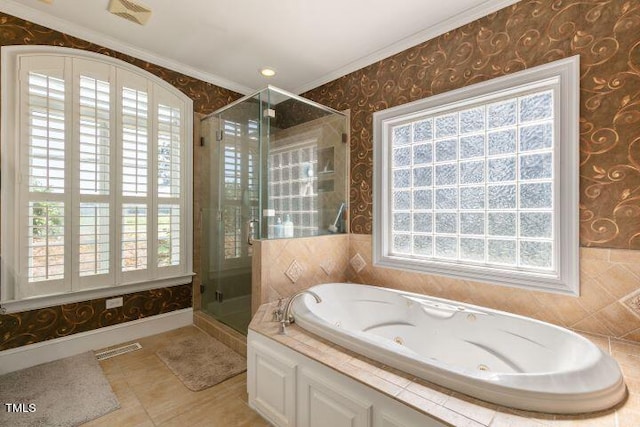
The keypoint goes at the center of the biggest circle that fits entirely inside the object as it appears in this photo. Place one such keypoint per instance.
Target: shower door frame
(217, 255)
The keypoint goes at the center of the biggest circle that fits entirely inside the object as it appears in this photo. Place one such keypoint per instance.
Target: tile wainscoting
(609, 301)
(608, 305)
(283, 267)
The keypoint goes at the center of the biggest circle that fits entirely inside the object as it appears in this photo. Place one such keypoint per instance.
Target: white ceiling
(226, 42)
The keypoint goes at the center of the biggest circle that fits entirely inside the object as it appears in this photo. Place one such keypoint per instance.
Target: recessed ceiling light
(268, 72)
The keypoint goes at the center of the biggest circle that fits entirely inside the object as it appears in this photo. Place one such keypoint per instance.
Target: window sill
(16, 306)
(555, 282)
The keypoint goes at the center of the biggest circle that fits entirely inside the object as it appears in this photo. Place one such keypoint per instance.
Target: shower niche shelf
(326, 162)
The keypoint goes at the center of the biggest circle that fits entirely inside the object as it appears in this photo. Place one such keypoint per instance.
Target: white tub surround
(495, 356)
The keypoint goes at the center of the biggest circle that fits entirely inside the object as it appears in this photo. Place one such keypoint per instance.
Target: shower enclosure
(276, 167)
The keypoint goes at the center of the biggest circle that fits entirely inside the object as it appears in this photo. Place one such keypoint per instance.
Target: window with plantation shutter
(169, 157)
(96, 173)
(45, 163)
(93, 203)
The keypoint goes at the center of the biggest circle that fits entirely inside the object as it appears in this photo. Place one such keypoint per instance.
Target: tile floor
(150, 395)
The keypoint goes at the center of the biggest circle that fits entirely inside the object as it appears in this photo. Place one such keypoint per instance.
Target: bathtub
(495, 356)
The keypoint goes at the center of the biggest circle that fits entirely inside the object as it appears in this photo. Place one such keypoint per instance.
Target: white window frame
(560, 76)
(116, 282)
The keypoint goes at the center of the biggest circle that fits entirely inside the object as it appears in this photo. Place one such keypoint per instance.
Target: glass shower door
(238, 220)
(274, 166)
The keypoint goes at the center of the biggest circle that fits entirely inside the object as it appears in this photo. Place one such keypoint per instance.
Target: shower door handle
(251, 229)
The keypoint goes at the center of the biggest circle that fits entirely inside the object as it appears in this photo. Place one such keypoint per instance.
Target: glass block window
(473, 183)
(476, 184)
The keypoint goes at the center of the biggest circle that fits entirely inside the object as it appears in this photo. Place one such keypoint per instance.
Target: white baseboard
(47, 351)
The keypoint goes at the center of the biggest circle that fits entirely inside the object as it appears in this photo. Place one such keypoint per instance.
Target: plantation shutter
(135, 194)
(97, 182)
(44, 176)
(93, 133)
(170, 152)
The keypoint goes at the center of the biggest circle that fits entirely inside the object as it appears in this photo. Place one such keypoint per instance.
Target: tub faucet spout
(287, 317)
(277, 313)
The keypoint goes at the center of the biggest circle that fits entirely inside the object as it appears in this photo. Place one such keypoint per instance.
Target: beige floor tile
(215, 412)
(165, 398)
(129, 417)
(110, 367)
(150, 394)
(142, 359)
(133, 358)
(124, 393)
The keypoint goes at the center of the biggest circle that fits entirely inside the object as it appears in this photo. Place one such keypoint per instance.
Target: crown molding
(42, 18)
(427, 34)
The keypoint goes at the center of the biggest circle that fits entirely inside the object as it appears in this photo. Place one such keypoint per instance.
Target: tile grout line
(133, 391)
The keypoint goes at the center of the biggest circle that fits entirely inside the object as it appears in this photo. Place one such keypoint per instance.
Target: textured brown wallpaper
(47, 323)
(606, 35)
(41, 325)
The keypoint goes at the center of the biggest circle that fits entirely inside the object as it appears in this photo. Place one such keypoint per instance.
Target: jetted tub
(495, 356)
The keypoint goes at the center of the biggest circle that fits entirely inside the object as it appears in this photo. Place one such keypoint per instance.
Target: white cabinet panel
(395, 415)
(292, 390)
(386, 420)
(322, 403)
(271, 387)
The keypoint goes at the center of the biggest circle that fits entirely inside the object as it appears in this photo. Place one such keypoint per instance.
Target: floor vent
(118, 351)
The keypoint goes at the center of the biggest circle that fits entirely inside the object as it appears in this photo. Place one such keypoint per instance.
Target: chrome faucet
(286, 318)
(277, 313)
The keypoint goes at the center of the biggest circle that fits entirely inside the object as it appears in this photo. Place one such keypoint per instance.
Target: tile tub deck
(446, 405)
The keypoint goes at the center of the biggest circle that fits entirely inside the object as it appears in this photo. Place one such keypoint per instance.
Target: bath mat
(65, 392)
(201, 362)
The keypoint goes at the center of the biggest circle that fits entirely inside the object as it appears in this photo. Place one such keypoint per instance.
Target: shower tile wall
(610, 287)
(319, 259)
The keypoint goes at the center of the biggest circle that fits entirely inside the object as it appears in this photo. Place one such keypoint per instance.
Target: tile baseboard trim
(35, 354)
(223, 333)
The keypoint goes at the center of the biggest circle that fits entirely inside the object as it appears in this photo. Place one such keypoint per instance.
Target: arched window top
(11, 55)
